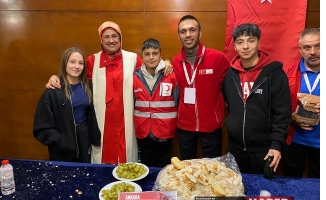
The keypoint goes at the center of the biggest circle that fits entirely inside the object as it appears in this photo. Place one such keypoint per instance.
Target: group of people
(132, 103)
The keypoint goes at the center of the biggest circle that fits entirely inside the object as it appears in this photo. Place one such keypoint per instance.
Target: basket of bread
(201, 177)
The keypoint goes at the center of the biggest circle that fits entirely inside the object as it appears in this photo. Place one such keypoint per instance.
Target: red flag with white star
(280, 22)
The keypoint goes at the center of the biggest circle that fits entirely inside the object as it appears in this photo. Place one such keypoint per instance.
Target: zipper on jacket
(244, 115)
(140, 75)
(243, 126)
(253, 89)
(192, 70)
(194, 85)
(72, 111)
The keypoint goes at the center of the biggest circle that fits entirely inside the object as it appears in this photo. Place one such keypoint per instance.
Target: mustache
(312, 57)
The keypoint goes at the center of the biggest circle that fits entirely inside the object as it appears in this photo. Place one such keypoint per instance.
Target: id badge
(190, 95)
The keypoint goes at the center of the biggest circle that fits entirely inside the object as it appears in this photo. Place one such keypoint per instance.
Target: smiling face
(75, 67)
(110, 40)
(151, 58)
(189, 34)
(310, 50)
(247, 47)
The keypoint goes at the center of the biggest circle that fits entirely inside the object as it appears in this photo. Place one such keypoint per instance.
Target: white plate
(108, 186)
(114, 173)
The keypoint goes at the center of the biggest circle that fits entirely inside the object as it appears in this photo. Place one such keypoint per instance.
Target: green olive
(130, 170)
(113, 192)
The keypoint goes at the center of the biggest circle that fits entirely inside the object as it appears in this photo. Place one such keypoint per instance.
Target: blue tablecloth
(47, 180)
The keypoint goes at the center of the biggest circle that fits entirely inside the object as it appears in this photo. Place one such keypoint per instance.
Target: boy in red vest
(155, 115)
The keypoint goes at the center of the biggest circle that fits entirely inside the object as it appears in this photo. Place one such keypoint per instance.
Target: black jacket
(261, 123)
(54, 124)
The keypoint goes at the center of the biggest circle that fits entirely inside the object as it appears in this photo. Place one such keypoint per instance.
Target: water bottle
(268, 171)
(7, 178)
(139, 159)
(265, 193)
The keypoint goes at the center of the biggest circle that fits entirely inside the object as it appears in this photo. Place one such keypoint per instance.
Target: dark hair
(189, 17)
(82, 77)
(247, 30)
(151, 43)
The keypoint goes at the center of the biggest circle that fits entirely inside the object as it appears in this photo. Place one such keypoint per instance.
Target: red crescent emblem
(168, 88)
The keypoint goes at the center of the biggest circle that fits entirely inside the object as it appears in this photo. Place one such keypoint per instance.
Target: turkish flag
(280, 22)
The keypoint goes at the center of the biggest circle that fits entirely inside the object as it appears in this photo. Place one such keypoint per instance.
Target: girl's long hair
(82, 77)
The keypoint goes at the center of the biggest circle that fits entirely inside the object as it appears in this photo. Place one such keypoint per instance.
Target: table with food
(39, 179)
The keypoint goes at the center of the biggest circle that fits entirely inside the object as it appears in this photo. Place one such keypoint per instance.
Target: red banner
(280, 22)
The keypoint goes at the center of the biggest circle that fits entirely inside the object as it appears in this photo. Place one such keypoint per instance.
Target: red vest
(156, 113)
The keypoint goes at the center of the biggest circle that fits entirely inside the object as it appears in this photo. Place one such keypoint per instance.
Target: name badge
(190, 95)
(206, 71)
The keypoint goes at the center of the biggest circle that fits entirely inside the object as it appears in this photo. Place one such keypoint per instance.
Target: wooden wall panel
(17, 113)
(186, 5)
(33, 42)
(313, 5)
(164, 27)
(313, 20)
(80, 5)
(313, 14)
(34, 34)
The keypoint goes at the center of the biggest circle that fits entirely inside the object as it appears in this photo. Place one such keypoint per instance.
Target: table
(45, 180)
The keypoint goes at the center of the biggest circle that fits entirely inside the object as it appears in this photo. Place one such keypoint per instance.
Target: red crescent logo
(168, 88)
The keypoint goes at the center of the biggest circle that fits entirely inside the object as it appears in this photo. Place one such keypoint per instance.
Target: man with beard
(200, 72)
(304, 139)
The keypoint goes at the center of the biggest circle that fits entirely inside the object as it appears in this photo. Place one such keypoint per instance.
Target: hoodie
(247, 78)
(150, 80)
(259, 104)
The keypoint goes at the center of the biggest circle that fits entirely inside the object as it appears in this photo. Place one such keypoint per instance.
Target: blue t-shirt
(304, 137)
(79, 101)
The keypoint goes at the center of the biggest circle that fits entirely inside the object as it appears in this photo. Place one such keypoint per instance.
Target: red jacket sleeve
(139, 63)
(90, 66)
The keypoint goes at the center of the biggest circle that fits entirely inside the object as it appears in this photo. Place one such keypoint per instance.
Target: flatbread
(200, 177)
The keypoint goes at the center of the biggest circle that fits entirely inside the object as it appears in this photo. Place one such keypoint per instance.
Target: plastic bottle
(139, 159)
(268, 171)
(265, 193)
(7, 178)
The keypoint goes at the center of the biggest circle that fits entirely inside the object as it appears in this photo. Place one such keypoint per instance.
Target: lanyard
(308, 83)
(192, 67)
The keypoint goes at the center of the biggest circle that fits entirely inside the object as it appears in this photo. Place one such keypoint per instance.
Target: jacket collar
(105, 61)
(199, 53)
